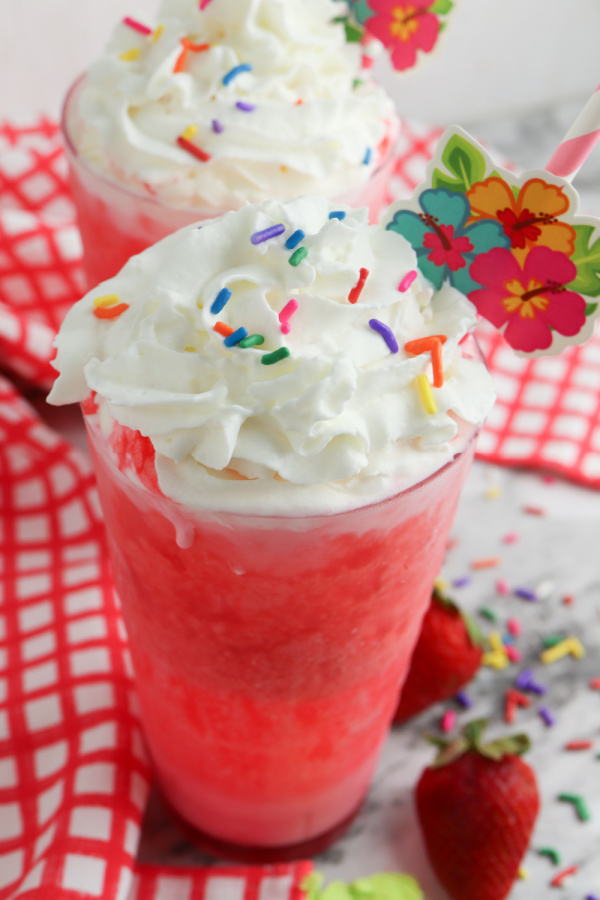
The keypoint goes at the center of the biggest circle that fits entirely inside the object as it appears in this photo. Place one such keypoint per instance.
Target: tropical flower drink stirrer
(513, 244)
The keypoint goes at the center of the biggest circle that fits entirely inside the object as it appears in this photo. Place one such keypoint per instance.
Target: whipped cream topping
(334, 423)
(298, 115)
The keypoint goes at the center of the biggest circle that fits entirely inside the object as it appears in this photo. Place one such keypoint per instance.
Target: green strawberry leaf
(463, 161)
(441, 7)
(473, 731)
(361, 11)
(312, 884)
(587, 259)
(515, 745)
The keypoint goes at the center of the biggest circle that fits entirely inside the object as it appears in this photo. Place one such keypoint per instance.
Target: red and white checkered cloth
(73, 771)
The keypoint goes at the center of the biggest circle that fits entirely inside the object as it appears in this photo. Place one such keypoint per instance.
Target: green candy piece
(251, 341)
(297, 256)
(269, 358)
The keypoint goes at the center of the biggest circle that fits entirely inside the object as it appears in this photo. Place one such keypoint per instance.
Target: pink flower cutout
(531, 300)
(447, 250)
(404, 26)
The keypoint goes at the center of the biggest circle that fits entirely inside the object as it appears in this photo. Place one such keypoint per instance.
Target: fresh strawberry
(477, 806)
(447, 656)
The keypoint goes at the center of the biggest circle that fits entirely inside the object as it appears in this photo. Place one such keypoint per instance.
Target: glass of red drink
(268, 650)
(116, 222)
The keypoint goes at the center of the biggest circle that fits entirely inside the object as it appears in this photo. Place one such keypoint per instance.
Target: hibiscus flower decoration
(529, 219)
(443, 241)
(531, 300)
(403, 27)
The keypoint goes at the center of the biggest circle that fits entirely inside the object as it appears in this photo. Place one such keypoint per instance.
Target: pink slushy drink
(278, 491)
(205, 110)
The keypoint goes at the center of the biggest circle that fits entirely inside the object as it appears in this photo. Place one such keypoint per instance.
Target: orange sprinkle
(436, 362)
(489, 562)
(422, 345)
(568, 600)
(187, 46)
(110, 312)
(579, 745)
(222, 328)
(357, 289)
(198, 152)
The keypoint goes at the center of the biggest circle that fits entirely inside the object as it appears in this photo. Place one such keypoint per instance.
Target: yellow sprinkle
(157, 33)
(495, 660)
(523, 873)
(576, 647)
(493, 492)
(496, 642)
(190, 349)
(189, 132)
(130, 55)
(558, 651)
(442, 585)
(106, 300)
(426, 394)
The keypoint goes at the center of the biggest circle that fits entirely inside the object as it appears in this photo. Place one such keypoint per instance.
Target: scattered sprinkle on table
(579, 745)
(268, 359)
(297, 256)
(534, 510)
(220, 300)
(579, 804)
(546, 716)
(448, 720)
(462, 582)
(494, 492)
(503, 587)
(525, 680)
(487, 562)
(511, 538)
(551, 853)
(525, 594)
(514, 626)
(357, 291)
(523, 873)
(267, 233)
(488, 614)
(595, 684)
(237, 70)
(566, 873)
(570, 645)
(463, 698)
(544, 589)
(294, 239)
(568, 600)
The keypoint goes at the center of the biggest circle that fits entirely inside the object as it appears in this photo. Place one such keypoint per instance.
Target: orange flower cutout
(529, 219)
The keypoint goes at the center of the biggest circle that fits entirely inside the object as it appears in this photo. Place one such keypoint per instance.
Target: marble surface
(558, 551)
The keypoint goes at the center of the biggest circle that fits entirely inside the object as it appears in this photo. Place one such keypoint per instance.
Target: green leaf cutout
(590, 308)
(354, 32)
(361, 11)
(441, 7)
(587, 259)
(464, 161)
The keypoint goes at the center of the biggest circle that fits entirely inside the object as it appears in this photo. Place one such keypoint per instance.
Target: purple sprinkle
(463, 698)
(525, 594)
(245, 107)
(259, 236)
(217, 127)
(547, 716)
(591, 897)
(386, 333)
(526, 682)
(462, 582)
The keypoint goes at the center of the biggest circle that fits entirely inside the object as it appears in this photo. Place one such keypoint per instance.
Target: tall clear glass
(116, 223)
(269, 650)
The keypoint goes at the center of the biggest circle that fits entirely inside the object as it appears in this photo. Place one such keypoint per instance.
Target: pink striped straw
(579, 140)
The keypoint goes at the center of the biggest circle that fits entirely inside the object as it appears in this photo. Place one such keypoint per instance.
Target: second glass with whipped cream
(278, 467)
(208, 109)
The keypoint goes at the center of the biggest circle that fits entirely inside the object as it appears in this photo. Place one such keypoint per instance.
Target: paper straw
(578, 142)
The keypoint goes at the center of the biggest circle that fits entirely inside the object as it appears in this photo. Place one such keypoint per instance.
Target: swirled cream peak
(269, 94)
(314, 408)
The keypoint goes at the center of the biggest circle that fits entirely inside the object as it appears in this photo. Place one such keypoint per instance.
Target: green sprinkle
(551, 853)
(251, 341)
(551, 640)
(580, 805)
(488, 614)
(297, 256)
(269, 358)
(357, 82)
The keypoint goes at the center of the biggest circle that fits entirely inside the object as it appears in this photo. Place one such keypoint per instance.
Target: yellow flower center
(404, 22)
(525, 301)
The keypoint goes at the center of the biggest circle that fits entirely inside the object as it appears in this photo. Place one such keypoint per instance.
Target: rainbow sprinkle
(387, 334)
(294, 239)
(267, 233)
(235, 337)
(269, 358)
(203, 4)
(546, 716)
(245, 107)
(137, 26)
(407, 281)
(288, 310)
(106, 300)
(216, 126)
(110, 312)
(337, 214)
(566, 873)
(426, 394)
(357, 291)
(131, 55)
(297, 256)
(251, 341)
(237, 70)
(220, 300)
(580, 805)
(222, 328)
(551, 853)
(448, 720)
(367, 156)
(198, 152)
